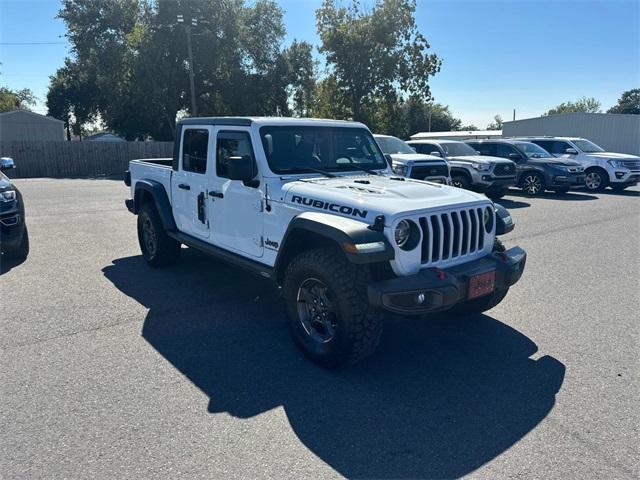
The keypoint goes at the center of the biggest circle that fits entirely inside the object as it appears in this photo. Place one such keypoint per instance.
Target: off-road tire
(358, 325)
(591, 176)
(166, 250)
(479, 305)
(22, 251)
(460, 181)
(497, 194)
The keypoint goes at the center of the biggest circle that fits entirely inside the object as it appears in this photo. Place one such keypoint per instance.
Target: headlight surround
(481, 167)
(400, 169)
(406, 235)
(8, 196)
(616, 163)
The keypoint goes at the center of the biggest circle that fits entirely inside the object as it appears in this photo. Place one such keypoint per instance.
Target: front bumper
(11, 229)
(567, 180)
(443, 289)
(489, 182)
(626, 177)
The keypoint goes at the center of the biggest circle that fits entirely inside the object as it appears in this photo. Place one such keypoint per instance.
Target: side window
(546, 144)
(503, 150)
(232, 144)
(195, 143)
(488, 149)
(560, 148)
(430, 147)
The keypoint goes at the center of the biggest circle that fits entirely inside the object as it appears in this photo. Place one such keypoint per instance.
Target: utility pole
(430, 113)
(187, 29)
(514, 114)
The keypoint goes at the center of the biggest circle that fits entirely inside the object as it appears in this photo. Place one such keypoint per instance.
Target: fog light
(620, 174)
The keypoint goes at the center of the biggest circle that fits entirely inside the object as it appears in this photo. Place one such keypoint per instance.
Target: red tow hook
(504, 256)
(440, 274)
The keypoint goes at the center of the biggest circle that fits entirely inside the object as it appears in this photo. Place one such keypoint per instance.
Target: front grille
(631, 164)
(447, 236)
(504, 169)
(576, 169)
(423, 171)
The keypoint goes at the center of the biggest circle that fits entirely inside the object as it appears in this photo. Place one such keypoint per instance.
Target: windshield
(393, 145)
(295, 149)
(457, 149)
(586, 146)
(532, 150)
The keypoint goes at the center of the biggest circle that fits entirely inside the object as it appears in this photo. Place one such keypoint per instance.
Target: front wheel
(158, 248)
(330, 318)
(460, 181)
(533, 184)
(480, 305)
(596, 180)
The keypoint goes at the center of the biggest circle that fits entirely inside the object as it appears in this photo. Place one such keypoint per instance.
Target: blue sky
(498, 55)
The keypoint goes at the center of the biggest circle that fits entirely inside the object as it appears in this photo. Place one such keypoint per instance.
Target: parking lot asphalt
(109, 369)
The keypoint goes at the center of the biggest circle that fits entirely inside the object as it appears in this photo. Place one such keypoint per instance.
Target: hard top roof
(261, 121)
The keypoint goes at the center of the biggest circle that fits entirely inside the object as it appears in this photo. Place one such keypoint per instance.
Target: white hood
(380, 196)
(613, 156)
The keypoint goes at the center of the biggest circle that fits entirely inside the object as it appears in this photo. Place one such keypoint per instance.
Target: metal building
(613, 132)
(23, 125)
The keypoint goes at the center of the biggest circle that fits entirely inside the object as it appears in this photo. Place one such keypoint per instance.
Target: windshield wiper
(311, 169)
(366, 170)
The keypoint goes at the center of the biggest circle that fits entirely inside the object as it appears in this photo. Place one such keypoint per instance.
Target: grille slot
(504, 169)
(423, 171)
(447, 236)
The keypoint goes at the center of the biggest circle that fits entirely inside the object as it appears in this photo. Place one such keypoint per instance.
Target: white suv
(602, 169)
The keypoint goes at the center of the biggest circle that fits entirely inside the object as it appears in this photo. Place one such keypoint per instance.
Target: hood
(415, 157)
(364, 197)
(4, 182)
(479, 159)
(613, 156)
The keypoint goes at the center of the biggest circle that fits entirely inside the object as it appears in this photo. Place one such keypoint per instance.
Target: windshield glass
(295, 149)
(393, 145)
(532, 150)
(457, 149)
(586, 146)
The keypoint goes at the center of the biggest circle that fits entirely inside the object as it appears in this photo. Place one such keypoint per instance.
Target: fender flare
(504, 222)
(336, 229)
(160, 198)
(461, 171)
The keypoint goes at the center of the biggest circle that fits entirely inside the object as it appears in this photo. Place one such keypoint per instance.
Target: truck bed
(156, 169)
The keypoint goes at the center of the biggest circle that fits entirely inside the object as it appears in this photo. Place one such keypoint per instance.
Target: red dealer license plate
(482, 284)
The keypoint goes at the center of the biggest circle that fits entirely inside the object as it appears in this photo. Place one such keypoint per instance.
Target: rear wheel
(158, 248)
(596, 180)
(533, 184)
(329, 314)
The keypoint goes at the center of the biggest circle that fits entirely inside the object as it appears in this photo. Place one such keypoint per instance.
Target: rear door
(189, 183)
(236, 206)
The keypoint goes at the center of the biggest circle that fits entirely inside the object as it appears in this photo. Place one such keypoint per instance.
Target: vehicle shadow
(569, 196)
(440, 397)
(6, 264)
(623, 193)
(511, 204)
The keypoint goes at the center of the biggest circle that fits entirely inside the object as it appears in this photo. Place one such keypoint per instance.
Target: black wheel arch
(312, 230)
(459, 171)
(153, 191)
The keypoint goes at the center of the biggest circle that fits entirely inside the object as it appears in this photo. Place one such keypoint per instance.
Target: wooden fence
(78, 159)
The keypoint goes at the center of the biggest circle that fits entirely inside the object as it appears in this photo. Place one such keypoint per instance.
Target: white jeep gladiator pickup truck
(313, 205)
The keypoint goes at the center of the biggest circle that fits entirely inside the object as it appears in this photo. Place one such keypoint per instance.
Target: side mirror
(6, 163)
(515, 156)
(387, 157)
(571, 151)
(241, 168)
(414, 149)
(436, 154)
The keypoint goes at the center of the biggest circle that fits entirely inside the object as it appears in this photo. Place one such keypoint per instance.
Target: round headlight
(488, 219)
(402, 232)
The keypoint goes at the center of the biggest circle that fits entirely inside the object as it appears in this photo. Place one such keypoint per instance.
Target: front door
(237, 207)
(189, 183)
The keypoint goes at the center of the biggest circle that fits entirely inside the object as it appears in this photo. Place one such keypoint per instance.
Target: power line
(33, 43)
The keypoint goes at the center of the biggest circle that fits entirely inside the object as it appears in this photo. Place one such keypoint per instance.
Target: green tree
(376, 54)
(469, 128)
(629, 102)
(496, 124)
(583, 105)
(16, 99)
(421, 116)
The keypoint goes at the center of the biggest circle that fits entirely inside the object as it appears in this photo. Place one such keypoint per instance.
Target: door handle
(184, 186)
(213, 193)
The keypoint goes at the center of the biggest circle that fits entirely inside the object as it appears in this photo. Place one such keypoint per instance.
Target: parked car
(407, 163)
(537, 169)
(14, 238)
(602, 169)
(489, 175)
(314, 206)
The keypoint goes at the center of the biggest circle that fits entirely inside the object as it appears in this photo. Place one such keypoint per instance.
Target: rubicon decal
(332, 207)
